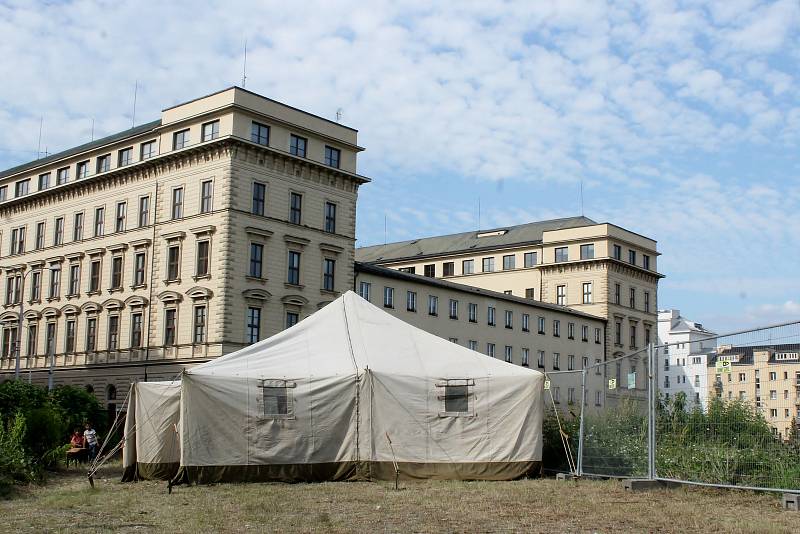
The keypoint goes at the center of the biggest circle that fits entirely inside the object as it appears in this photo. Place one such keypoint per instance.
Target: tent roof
(350, 335)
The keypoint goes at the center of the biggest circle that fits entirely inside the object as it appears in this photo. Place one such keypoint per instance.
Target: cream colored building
(175, 241)
(767, 377)
(525, 332)
(600, 269)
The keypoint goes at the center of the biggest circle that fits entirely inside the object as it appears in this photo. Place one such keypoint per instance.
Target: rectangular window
(201, 268)
(94, 276)
(456, 397)
(144, 211)
(103, 163)
(138, 269)
(77, 227)
(33, 337)
(328, 274)
(556, 328)
(124, 157)
(297, 146)
(632, 257)
(540, 363)
(508, 353)
(570, 330)
(113, 332)
(618, 333)
(177, 203)
(74, 279)
(541, 325)
(116, 272)
(17, 241)
(136, 330)
(388, 297)
(210, 131)
(180, 139)
(55, 282)
(448, 268)
(472, 344)
(617, 252)
(453, 309)
(82, 169)
(91, 334)
(617, 291)
(58, 231)
(556, 362)
(584, 333)
(633, 336)
(647, 302)
(330, 217)
(50, 338)
(44, 181)
(36, 286)
(206, 196)
(430, 270)
(409, 270)
(490, 350)
(526, 322)
(62, 176)
(473, 312)
(291, 319)
(364, 290)
(4, 192)
(12, 289)
(467, 266)
(571, 362)
(199, 330)
(508, 262)
(530, 293)
(562, 254)
(169, 326)
(633, 297)
(22, 188)
(490, 316)
(332, 156)
(587, 292)
(173, 262)
(509, 319)
(253, 324)
(39, 235)
(587, 252)
(525, 357)
(646, 261)
(259, 198)
(119, 218)
(259, 133)
(530, 259)
(488, 265)
(293, 274)
(561, 295)
(147, 150)
(295, 208)
(99, 221)
(411, 301)
(433, 305)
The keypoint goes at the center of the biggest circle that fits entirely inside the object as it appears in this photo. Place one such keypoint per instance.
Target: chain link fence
(719, 410)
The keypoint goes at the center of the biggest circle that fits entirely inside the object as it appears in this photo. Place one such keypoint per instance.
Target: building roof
(446, 284)
(746, 353)
(684, 325)
(131, 132)
(529, 233)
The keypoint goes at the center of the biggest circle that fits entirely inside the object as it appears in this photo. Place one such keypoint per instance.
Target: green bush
(16, 466)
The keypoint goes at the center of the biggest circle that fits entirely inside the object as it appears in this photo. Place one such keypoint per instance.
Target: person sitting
(77, 451)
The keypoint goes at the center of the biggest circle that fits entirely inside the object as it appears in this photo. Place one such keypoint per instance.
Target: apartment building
(530, 333)
(133, 256)
(767, 376)
(685, 349)
(596, 268)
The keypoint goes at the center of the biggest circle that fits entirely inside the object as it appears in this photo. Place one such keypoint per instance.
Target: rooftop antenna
(581, 197)
(244, 67)
(135, 92)
(39, 146)
(479, 214)
(339, 114)
(385, 232)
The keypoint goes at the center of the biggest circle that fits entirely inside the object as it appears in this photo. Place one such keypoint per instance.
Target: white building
(683, 362)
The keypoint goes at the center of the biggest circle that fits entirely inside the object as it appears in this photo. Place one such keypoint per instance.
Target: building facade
(546, 337)
(600, 269)
(685, 349)
(767, 376)
(174, 242)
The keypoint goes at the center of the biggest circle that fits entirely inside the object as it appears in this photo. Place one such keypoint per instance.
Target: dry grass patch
(68, 504)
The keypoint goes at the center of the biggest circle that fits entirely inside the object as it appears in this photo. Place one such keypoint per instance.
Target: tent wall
(152, 448)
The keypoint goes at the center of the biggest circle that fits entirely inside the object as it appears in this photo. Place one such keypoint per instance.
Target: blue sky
(682, 119)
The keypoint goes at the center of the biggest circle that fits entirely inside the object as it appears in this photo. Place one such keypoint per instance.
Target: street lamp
(18, 344)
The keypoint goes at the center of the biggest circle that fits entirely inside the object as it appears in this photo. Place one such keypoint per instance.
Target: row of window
(632, 294)
(633, 332)
(365, 291)
(298, 146)
(256, 267)
(295, 207)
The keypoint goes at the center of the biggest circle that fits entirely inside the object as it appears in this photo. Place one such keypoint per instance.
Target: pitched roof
(131, 132)
(529, 233)
(746, 353)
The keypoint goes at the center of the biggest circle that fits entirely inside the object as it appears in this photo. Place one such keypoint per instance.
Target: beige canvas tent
(151, 450)
(349, 393)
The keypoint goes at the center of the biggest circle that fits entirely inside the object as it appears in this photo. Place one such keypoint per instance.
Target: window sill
(541, 332)
(170, 282)
(454, 318)
(112, 290)
(411, 310)
(525, 330)
(35, 301)
(53, 299)
(255, 279)
(73, 296)
(509, 327)
(433, 314)
(287, 285)
(199, 277)
(139, 286)
(329, 292)
(390, 307)
(93, 292)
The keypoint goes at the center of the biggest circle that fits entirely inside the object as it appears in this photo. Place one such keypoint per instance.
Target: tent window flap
(456, 396)
(276, 399)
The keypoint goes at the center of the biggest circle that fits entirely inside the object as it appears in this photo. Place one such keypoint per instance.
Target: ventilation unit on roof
(492, 233)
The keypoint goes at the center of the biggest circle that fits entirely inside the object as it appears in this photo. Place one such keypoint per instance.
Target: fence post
(651, 413)
(580, 431)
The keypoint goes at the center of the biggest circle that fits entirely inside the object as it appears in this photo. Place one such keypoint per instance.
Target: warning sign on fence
(723, 366)
(631, 380)
(612, 383)
(546, 384)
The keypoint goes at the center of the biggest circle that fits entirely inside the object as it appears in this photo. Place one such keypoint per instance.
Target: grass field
(68, 504)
